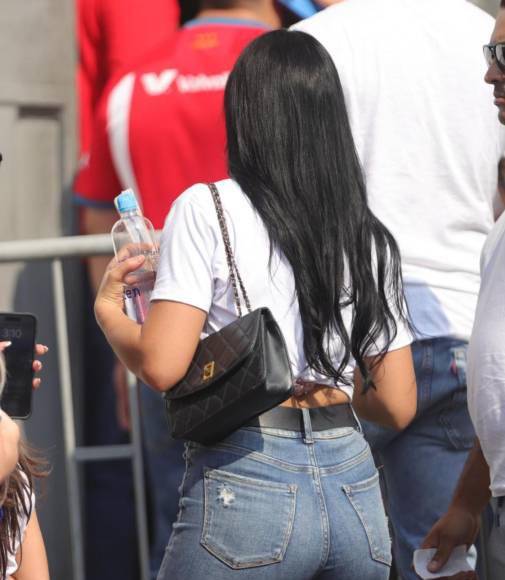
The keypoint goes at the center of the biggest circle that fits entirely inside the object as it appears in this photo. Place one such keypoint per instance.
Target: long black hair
(291, 150)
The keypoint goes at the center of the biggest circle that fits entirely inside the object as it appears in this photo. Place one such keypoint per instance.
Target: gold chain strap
(230, 259)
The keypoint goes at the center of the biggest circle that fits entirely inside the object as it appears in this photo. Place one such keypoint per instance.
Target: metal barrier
(54, 250)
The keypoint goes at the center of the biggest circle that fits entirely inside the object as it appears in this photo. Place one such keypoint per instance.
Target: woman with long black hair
(294, 494)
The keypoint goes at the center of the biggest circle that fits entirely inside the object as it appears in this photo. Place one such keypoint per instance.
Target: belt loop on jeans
(359, 428)
(307, 427)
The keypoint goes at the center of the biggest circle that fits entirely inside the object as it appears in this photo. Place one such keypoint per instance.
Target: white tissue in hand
(457, 563)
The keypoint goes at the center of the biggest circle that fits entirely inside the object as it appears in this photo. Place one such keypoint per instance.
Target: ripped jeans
(422, 464)
(269, 504)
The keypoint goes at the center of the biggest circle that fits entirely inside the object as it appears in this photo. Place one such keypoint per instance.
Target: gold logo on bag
(208, 371)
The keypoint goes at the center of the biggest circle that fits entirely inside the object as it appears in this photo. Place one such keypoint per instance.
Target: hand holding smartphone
(20, 330)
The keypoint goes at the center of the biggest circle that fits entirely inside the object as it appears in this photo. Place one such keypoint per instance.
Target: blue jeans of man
(496, 545)
(165, 468)
(268, 504)
(110, 533)
(422, 464)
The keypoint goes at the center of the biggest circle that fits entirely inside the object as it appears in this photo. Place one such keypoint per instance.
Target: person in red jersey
(112, 35)
(160, 128)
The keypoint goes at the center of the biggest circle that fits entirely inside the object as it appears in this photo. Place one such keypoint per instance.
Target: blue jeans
(276, 504)
(496, 546)
(422, 464)
(165, 468)
(110, 536)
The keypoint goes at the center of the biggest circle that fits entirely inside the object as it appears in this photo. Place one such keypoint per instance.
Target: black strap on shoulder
(230, 258)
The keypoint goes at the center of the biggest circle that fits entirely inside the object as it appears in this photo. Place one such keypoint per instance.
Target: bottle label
(131, 292)
(137, 300)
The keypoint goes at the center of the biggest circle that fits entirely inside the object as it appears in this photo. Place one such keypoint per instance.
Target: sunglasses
(495, 52)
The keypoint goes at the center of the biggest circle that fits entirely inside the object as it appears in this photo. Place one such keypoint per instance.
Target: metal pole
(67, 403)
(138, 476)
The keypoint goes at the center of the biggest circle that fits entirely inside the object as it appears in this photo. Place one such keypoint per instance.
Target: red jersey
(112, 35)
(160, 128)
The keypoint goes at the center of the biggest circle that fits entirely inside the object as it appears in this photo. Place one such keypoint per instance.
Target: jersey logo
(157, 84)
(205, 41)
(202, 83)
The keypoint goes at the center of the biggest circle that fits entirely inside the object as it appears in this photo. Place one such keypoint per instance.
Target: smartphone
(20, 329)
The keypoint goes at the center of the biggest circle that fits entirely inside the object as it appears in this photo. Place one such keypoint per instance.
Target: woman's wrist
(108, 313)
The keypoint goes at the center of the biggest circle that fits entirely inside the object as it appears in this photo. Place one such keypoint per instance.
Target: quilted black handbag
(236, 374)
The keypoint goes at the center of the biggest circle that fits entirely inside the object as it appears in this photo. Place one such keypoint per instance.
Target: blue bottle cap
(302, 8)
(126, 201)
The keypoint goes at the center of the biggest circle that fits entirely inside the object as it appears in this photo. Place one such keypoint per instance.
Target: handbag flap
(219, 354)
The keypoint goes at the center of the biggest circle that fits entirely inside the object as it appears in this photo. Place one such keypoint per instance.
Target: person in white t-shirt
(484, 473)
(428, 140)
(294, 492)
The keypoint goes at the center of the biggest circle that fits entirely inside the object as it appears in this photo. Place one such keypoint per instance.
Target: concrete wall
(37, 120)
(37, 139)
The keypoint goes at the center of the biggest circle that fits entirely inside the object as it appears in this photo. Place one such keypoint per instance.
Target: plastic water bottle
(132, 235)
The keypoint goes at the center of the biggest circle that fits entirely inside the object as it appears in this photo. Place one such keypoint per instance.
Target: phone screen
(17, 395)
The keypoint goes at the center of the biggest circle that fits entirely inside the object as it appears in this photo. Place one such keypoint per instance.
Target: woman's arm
(160, 351)
(394, 401)
(31, 555)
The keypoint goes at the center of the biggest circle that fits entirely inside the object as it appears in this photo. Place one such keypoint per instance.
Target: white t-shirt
(427, 133)
(193, 270)
(486, 359)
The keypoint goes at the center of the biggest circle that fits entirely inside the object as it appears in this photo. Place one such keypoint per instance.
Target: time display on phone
(11, 333)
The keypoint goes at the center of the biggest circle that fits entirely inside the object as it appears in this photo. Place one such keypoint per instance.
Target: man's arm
(472, 492)
(97, 221)
(100, 221)
(460, 524)
(95, 187)
(96, 184)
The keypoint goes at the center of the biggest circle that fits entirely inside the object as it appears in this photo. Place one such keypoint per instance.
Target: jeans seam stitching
(348, 490)
(349, 464)
(254, 455)
(325, 524)
(219, 475)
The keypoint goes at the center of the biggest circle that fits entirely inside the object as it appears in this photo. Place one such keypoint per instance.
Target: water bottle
(132, 235)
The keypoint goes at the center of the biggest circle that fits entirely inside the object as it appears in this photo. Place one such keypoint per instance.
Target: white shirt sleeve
(187, 248)
(403, 338)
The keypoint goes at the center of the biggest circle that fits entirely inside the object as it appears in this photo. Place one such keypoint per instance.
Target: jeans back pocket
(454, 416)
(366, 499)
(247, 522)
